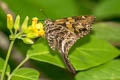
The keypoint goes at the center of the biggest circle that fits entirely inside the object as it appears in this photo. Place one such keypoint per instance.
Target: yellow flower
(41, 33)
(37, 27)
(34, 21)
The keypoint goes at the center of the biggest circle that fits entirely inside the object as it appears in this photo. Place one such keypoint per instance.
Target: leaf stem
(6, 60)
(26, 58)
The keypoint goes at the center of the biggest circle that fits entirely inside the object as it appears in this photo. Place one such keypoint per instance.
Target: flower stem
(6, 60)
(26, 58)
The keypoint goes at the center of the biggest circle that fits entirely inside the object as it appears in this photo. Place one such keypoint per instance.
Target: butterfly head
(48, 21)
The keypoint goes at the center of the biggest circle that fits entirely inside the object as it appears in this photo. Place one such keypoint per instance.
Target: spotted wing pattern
(63, 33)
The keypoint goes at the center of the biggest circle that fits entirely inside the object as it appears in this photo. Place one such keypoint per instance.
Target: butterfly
(63, 33)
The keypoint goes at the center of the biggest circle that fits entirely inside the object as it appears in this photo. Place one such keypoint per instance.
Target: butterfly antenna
(43, 13)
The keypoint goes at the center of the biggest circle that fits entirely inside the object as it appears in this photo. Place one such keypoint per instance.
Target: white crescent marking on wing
(63, 44)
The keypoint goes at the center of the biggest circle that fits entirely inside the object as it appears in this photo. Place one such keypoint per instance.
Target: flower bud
(25, 23)
(17, 23)
(31, 35)
(9, 21)
(28, 41)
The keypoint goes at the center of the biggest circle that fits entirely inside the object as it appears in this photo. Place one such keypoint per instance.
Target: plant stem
(11, 31)
(26, 58)
(6, 60)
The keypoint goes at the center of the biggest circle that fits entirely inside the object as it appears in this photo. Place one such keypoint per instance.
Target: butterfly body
(63, 33)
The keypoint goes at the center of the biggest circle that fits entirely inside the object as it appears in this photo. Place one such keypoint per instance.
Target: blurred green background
(106, 27)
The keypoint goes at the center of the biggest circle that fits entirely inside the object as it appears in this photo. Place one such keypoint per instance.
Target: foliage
(1, 67)
(25, 74)
(108, 71)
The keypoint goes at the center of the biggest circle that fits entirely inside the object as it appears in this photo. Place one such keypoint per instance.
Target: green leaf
(107, 31)
(87, 52)
(107, 9)
(108, 71)
(90, 51)
(1, 67)
(25, 74)
(40, 51)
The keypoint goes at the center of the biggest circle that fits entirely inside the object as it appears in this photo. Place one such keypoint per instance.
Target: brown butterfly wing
(63, 33)
(66, 31)
(60, 37)
(80, 25)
